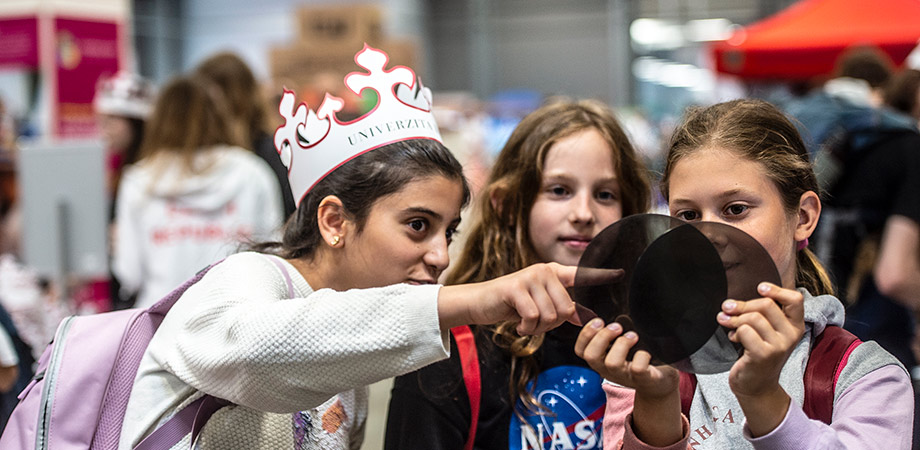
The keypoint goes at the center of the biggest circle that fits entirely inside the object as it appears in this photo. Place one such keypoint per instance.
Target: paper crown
(124, 94)
(314, 143)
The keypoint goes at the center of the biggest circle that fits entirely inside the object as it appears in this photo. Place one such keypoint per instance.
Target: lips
(579, 242)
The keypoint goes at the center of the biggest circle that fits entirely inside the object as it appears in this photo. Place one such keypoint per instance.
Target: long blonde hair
(758, 131)
(189, 116)
(498, 242)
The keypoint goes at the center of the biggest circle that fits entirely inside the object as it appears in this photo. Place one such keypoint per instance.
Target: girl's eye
(736, 209)
(687, 215)
(558, 191)
(418, 225)
(606, 196)
(451, 232)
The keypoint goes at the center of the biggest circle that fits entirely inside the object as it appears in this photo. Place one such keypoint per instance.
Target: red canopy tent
(804, 40)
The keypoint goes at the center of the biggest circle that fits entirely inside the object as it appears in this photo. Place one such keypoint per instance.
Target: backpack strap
(469, 364)
(193, 417)
(284, 271)
(827, 358)
(115, 401)
(687, 387)
(829, 354)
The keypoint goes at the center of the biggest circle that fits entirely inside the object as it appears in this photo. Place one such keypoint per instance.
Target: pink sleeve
(875, 412)
(619, 406)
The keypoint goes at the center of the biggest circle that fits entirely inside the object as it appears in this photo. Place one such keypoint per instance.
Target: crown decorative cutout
(314, 143)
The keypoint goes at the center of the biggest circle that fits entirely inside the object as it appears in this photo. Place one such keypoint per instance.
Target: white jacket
(295, 369)
(169, 223)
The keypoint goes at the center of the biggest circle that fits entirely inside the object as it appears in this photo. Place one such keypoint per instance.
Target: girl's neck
(316, 274)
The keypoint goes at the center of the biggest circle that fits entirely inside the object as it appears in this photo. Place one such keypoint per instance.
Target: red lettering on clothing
(703, 432)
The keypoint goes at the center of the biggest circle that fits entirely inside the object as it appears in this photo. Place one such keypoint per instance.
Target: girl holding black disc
(744, 164)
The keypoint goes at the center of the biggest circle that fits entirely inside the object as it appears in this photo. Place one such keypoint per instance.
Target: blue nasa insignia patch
(575, 403)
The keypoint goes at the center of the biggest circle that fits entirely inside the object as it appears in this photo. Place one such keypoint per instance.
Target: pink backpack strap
(829, 354)
(469, 363)
(190, 419)
(193, 417)
(287, 276)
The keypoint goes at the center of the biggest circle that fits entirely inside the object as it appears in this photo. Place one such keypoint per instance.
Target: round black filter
(616, 247)
(676, 276)
(677, 291)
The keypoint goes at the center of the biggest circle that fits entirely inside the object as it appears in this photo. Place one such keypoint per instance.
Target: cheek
(608, 215)
(541, 214)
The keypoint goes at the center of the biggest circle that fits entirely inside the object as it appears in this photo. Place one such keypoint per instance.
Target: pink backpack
(78, 397)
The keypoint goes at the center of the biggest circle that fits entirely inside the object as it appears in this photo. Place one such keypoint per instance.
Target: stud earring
(335, 241)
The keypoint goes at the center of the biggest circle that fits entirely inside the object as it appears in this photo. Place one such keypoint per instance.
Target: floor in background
(377, 414)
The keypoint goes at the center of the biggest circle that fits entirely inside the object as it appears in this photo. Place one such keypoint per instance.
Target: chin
(567, 259)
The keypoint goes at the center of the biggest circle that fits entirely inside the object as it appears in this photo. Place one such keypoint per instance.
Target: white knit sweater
(297, 368)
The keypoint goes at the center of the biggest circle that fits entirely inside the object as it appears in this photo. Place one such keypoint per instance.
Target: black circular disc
(676, 277)
(616, 247)
(677, 291)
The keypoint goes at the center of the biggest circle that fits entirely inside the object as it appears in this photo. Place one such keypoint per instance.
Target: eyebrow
(728, 193)
(567, 177)
(422, 210)
(428, 212)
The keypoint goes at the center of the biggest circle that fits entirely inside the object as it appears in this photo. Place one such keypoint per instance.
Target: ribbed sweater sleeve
(234, 335)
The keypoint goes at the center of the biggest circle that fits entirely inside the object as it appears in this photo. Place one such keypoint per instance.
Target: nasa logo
(575, 403)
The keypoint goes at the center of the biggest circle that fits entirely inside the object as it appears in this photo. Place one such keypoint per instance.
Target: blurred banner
(85, 50)
(56, 51)
(20, 43)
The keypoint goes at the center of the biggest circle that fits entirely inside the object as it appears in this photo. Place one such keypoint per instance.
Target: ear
(808, 213)
(332, 220)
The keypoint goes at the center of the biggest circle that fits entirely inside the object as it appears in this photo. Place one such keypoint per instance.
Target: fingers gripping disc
(677, 275)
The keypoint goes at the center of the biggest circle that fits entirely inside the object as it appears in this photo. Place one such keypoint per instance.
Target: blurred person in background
(903, 93)
(16, 362)
(193, 197)
(247, 109)
(867, 158)
(122, 104)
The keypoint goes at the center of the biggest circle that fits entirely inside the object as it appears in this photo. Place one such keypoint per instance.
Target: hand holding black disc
(676, 277)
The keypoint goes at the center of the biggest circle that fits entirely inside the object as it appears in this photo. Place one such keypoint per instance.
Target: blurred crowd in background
(858, 110)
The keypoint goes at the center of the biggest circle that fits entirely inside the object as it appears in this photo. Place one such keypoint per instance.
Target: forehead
(436, 193)
(586, 147)
(717, 169)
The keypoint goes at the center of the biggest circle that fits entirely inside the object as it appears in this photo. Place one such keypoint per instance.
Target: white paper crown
(313, 144)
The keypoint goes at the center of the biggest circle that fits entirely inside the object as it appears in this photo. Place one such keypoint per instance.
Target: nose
(715, 234)
(582, 211)
(436, 257)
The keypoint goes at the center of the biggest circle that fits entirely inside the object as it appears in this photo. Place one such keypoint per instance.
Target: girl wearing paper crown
(293, 334)
(743, 163)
